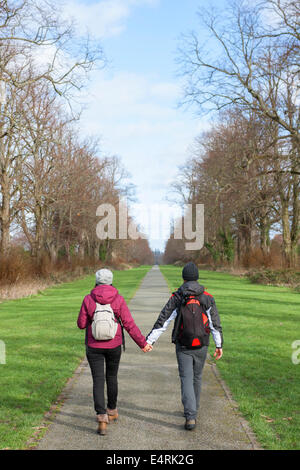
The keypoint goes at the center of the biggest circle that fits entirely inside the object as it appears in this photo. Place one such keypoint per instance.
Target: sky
(132, 104)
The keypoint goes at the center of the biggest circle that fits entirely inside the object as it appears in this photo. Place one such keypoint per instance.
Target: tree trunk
(246, 232)
(53, 253)
(96, 252)
(295, 228)
(286, 235)
(238, 247)
(39, 238)
(68, 251)
(81, 250)
(5, 219)
(264, 228)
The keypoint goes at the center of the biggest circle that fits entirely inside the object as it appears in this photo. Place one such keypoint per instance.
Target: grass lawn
(260, 323)
(43, 348)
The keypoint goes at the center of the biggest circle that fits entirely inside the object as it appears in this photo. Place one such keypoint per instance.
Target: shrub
(15, 266)
(18, 266)
(287, 277)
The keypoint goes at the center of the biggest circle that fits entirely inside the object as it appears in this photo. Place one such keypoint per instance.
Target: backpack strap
(118, 318)
(123, 336)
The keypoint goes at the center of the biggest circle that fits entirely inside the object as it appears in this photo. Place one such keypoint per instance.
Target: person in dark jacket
(107, 352)
(190, 360)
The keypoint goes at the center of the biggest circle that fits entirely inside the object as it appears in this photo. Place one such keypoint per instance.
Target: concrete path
(151, 414)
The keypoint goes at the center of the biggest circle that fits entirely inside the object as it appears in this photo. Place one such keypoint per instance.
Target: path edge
(50, 415)
(244, 423)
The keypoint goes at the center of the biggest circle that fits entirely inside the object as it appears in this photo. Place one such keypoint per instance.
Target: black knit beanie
(190, 272)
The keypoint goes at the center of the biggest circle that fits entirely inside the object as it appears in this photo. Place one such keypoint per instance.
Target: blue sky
(133, 103)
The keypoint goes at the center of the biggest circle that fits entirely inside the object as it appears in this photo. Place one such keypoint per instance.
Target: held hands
(218, 353)
(147, 348)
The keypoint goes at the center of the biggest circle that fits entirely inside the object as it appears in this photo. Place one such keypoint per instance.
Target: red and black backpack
(194, 329)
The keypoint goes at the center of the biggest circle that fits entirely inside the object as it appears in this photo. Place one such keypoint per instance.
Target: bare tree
(12, 156)
(38, 48)
(256, 70)
(45, 46)
(41, 134)
(248, 62)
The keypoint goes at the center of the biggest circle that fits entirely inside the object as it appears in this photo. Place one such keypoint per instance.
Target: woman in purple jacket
(108, 352)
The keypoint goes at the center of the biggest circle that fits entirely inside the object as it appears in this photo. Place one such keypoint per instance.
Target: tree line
(52, 179)
(246, 168)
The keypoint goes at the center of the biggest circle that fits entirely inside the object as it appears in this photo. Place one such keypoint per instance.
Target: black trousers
(104, 364)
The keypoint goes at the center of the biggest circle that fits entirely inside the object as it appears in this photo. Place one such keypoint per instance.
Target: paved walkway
(151, 414)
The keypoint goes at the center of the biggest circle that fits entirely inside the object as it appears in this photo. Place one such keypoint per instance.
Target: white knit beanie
(104, 276)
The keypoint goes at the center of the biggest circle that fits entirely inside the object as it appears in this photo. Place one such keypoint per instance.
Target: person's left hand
(218, 353)
(147, 348)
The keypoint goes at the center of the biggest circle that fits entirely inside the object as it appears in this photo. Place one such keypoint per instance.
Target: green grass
(260, 323)
(43, 348)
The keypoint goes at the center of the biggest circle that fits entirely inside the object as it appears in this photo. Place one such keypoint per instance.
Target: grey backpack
(104, 325)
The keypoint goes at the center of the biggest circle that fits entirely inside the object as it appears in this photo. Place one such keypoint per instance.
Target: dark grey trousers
(190, 366)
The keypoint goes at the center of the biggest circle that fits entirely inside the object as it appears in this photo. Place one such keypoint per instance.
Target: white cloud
(138, 119)
(105, 18)
(134, 101)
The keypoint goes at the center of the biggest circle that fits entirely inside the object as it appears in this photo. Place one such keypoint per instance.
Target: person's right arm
(168, 313)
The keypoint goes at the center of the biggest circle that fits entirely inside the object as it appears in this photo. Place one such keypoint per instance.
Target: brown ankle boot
(190, 424)
(113, 415)
(103, 421)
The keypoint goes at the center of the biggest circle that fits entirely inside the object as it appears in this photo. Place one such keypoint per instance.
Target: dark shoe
(190, 424)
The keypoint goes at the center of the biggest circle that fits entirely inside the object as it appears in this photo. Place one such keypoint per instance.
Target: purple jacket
(105, 294)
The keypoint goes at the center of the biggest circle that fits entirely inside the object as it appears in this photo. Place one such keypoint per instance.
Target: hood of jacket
(191, 288)
(104, 294)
